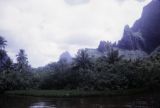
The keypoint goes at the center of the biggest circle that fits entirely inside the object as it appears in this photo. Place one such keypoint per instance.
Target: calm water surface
(152, 101)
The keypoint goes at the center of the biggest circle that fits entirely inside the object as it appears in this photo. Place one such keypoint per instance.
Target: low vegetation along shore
(74, 93)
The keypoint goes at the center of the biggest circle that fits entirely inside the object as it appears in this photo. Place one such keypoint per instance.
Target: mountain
(137, 41)
(145, 33)
(66, 56)
(131, 40)
(104, 46)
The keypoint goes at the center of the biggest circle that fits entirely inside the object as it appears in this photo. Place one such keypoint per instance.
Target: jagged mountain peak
(104, 46)
(145, 33)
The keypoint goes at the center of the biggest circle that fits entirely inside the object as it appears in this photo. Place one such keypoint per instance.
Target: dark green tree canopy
(82, 59)
(5, 61)
(113, 56)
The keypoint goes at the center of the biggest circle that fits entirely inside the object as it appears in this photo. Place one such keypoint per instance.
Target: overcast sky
(46, 28)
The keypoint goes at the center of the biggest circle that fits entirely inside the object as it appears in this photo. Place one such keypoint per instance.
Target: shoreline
(76, 93)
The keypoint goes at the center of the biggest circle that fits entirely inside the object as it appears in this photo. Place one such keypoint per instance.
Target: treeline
(14, 76)
(110, 72)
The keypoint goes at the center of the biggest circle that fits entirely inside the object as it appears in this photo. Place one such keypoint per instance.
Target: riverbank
(74, 93)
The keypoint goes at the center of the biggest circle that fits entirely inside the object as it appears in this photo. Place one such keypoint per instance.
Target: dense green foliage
(110, 72)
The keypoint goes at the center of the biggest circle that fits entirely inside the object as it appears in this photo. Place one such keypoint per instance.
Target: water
(152, 101)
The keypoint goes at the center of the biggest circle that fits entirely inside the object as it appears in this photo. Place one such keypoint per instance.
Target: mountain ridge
(146, 28)
(138, 41)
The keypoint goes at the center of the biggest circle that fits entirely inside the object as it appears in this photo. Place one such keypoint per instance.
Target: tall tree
(5, 61)
(82, 59)
(22, 61)
(2, 43)
(113, 56)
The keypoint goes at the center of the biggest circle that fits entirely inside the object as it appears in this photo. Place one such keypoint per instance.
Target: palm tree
(113, 56)
(22, 61)
(82, 59)
(3, 55)
(2, 42)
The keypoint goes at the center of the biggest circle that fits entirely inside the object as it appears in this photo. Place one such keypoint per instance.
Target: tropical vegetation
(110, 72)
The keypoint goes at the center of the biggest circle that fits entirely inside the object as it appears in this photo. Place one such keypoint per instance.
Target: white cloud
(46, 28)
(76, 2)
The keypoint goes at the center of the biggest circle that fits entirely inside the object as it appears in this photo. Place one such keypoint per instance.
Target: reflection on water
(42, 105)
(152, 101)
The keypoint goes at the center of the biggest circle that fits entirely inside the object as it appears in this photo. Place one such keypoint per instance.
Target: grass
(54, 93)
(73, 93)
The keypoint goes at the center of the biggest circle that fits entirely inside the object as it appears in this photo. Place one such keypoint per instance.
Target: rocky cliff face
(104, 46)
(145, 33)
(131, 40)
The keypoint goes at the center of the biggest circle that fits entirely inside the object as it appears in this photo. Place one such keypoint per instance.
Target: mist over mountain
(66, 56)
